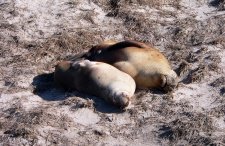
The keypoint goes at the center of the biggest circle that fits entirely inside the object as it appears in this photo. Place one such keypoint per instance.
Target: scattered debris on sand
(35, 35)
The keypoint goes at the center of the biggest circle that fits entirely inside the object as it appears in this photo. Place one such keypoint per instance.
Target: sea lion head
(122, 100)
(62, 74)
(92, 53)
(97, 49)
(170, 81)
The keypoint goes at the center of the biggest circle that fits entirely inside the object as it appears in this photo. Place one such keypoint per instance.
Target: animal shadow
(45, 87)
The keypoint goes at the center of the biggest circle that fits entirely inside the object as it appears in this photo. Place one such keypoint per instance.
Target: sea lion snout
(170, 81)
(122, 100)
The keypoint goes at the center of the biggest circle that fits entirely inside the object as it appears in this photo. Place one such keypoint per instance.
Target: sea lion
(148, 66)
(96, 78)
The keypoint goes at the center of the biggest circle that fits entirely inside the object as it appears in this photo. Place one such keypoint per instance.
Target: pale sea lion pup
(148, 67)
(96, 78)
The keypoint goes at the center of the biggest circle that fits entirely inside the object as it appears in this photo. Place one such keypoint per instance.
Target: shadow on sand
(45, 87)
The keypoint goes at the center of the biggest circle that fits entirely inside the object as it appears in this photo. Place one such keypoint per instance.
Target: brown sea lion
(96, 78)
(148, 66)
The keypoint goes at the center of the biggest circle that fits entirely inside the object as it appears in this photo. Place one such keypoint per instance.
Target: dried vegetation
(193, 47)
